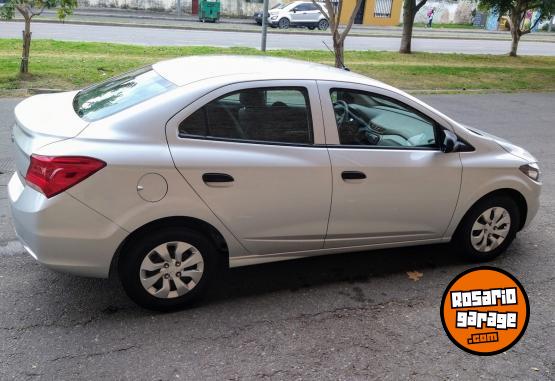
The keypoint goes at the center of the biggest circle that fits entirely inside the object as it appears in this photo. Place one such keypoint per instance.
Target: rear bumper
(62, 233)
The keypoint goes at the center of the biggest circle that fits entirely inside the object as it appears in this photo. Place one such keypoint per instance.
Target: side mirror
(449, 141)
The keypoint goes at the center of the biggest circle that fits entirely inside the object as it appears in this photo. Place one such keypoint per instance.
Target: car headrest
(252, 98)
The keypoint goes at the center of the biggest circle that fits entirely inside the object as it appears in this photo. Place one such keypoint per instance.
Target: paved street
(350, 316)
(153, 36)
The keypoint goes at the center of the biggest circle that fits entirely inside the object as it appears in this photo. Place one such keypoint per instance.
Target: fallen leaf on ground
(415, 275)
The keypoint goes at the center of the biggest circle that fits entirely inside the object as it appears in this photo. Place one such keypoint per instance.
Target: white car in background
(298, 14)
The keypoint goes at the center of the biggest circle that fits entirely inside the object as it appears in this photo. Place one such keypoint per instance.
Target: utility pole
(264, 25)
(178, 7)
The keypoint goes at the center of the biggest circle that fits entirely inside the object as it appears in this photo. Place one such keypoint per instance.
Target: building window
(382, 8)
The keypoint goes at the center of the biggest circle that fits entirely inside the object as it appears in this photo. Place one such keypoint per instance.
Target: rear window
(116, 94)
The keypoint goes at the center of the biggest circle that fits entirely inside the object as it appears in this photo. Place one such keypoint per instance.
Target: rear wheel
(488, 228)
(323, 24)
(168, 269)
(283, 23)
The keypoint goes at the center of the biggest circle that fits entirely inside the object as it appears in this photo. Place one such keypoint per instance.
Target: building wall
(369, 18)
(368, 15)
(239, 8)
(447, 11)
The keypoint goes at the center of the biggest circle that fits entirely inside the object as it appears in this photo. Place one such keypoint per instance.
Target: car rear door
(254, 153)
(313, 14)
(398, 188)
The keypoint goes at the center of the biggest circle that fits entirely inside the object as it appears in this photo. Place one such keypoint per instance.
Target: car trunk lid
(41, 120)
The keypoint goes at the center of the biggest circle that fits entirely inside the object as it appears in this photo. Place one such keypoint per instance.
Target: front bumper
(62, 233)
(532, 197)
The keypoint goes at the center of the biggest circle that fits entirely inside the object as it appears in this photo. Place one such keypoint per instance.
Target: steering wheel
(365, 131)
(342, 112)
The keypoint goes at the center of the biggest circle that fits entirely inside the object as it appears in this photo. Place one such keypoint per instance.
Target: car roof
(230, 68)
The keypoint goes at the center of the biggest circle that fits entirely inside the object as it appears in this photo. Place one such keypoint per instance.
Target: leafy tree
(30, 9)
(333, 12)
(516, 10)
(410, 9)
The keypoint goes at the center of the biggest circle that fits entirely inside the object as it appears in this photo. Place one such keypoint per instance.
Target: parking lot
(348, 316)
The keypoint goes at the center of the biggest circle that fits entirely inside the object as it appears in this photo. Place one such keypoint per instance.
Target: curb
(35, 91)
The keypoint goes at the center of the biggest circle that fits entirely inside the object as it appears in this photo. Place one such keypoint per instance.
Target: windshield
(116, 94)
(279, 6)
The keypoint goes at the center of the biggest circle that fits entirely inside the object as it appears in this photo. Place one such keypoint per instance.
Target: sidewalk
(168, 20)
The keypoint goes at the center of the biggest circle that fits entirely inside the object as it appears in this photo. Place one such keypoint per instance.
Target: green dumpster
(209, 10)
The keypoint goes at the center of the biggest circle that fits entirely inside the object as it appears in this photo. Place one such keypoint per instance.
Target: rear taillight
(51, 175)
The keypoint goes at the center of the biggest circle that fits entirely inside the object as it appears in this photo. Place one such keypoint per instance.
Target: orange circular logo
(485, 311)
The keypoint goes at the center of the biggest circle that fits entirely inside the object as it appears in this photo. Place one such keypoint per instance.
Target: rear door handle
(353, 175)
(217, 178)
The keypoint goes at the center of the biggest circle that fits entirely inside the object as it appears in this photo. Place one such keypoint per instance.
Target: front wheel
(283, 23)
(323, 24)
(488, 228)
(167, 269)
(311, 27)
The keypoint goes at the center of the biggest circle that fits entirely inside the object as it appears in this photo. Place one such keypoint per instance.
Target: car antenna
(331, 51)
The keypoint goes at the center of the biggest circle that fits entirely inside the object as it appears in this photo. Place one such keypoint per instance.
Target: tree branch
(419, 5)
(24, 10)
(351, 21)
(36, 13)
(526, 31)
(338, 15)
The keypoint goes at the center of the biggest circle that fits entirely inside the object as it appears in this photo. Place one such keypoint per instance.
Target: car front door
(391, 182)
(299, 14)
(254, 152)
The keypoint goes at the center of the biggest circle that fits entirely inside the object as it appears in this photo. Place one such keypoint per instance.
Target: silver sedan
(163, 173)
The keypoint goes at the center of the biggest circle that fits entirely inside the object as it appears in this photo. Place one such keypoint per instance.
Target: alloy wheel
(283, 23)
(171, 269)
(490, 229)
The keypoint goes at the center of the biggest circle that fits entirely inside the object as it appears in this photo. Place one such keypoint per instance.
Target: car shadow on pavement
(80, 298)
(324, 270)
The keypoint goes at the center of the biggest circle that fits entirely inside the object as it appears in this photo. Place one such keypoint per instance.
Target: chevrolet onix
(161, 174)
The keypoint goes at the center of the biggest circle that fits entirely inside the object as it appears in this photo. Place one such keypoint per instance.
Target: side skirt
(248, 260)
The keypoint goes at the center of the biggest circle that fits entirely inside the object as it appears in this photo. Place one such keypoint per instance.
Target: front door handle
(353, 175)
(217, 178)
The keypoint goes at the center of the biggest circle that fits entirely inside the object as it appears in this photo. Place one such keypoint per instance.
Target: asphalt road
(153, 36)
(349, 316)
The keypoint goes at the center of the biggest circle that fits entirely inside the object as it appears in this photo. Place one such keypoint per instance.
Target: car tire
(323, 24)
(284, 23)
(479, 236)
(134, 268)
(311, 27)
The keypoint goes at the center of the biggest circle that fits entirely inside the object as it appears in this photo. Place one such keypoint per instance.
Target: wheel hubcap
(171, 269)
(490, 229)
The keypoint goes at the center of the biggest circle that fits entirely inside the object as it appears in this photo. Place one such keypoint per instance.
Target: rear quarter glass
(117, 94)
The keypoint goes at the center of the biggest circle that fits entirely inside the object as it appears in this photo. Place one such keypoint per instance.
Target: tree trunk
(408, 23)
(338, 47)
(24, 66)
(515, 33)
(514, 44)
